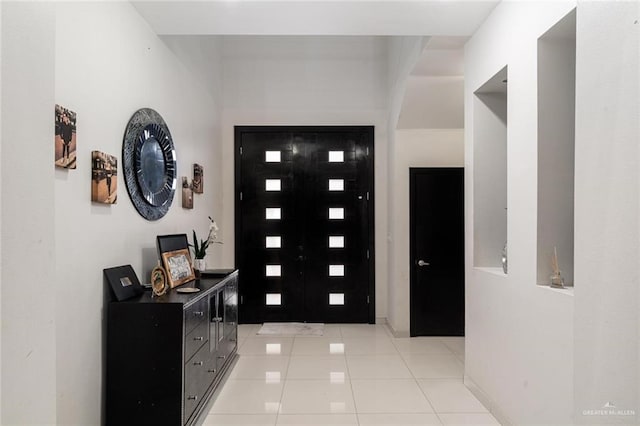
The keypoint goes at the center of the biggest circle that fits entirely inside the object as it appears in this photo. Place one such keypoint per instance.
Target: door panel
(437, 239)
(320, 259)
(258, 220)
(336, 270)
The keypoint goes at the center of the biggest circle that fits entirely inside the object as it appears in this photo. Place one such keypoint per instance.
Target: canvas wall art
(187, 194)
(65, 138)
(198, 184)
(104, 178)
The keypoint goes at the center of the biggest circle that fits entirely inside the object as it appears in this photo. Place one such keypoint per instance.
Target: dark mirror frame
(151, 199)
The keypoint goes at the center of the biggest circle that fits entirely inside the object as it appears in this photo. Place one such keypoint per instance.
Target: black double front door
(304, 223)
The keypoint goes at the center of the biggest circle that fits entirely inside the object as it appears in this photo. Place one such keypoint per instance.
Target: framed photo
(65, 138)
(187, 194)
(104, 178)
(198, 185)
(177, 263)
(123, 282)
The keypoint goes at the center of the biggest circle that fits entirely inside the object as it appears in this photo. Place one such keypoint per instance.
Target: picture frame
(197, 183)
(65, 144)
(104, 178)
(158, 281)
(177, 264)
(123, 281)
(187, 194)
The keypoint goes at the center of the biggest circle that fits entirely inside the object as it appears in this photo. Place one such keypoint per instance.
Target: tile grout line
(353, 395)
(284, 382)
(415, 379)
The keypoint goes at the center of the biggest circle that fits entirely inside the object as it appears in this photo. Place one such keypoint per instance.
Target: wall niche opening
(490, 172)
(556, 148)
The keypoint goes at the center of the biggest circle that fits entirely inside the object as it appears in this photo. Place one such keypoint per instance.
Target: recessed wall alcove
(490, 171)
(556, 148)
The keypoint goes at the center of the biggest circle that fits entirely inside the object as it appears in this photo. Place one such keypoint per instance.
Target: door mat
(291, 329)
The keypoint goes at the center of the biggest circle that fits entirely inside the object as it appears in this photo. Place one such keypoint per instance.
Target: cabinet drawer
(194, 340)
(192, 392)
(195, 314)
(198, 377)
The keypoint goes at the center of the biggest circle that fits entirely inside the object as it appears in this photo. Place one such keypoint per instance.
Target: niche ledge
(568, 291)
(491, 270)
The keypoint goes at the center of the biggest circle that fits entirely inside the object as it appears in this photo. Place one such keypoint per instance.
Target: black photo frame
(123, 281)
(172, 242)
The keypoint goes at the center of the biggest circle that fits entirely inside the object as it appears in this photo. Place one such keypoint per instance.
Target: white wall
(28, 270)
(414, 148)
(0, 211)
(607, 219)
(74, 55)
(433, 102)
(202, 56)
(403, 54)
(105, 76)
(519, 336)
(527, 354)
(307, 81)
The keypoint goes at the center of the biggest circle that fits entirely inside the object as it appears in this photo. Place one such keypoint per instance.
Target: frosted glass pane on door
(336, 184)
(336, 241)
(273, 270)
(336, 156)
(273, 213)
(272, 156)
(336, 213)
(273, 242)
(336, 270)
(336, 298)
(274, 299)
(272, 184)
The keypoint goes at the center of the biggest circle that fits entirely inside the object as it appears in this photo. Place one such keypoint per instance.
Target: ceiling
(442, 56)
(315, 17)
(433, 97)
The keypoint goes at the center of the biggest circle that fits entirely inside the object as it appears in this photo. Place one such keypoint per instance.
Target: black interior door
(437, 252)
(304, 224)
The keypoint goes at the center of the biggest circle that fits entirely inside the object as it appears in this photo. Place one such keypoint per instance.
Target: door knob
(423, 263)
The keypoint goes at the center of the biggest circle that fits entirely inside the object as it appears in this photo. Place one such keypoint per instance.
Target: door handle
(423, 263)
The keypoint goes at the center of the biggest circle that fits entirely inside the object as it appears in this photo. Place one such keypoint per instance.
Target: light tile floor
(353, 375)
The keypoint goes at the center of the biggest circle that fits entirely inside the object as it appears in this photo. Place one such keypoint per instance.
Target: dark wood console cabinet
(166, 355)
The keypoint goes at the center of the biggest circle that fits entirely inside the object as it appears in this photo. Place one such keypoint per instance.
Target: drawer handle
(211, 371)
(198, 313)
(198, 363)
(198, 339)
(222, 357)
(192, 397)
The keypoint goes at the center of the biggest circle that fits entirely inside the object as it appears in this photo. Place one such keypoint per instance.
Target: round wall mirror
(149, 162)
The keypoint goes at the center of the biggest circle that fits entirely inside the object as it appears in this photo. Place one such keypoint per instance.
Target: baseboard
(381, 320)
(395, 333)
(485, 400)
